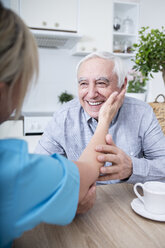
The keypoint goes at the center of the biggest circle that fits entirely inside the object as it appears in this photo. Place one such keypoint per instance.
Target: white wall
(6, 3)
(57, 73)
(152, 14)
(57, 67)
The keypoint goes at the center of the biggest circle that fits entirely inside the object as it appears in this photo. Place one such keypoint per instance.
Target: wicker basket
(159, 109)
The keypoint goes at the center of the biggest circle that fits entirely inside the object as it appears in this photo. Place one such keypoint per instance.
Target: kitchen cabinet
(11, 129)
(60, 15)
(95, 26)
(125, 27)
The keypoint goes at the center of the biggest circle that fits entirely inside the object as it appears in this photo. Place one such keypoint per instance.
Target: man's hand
(121, 167)
(112, 105)
(88, 200)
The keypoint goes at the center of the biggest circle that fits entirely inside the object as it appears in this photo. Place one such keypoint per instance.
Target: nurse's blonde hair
(18, 55)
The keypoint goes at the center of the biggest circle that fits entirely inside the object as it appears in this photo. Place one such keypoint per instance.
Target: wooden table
(110, 223)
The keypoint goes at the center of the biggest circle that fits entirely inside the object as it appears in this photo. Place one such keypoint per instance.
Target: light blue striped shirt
(134, 129)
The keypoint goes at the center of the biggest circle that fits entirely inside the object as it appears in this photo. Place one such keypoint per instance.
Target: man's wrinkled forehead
(88, 66)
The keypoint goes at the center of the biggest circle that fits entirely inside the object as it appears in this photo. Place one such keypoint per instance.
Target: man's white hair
(119, 67)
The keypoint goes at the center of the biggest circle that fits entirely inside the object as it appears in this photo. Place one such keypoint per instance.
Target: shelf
(126, 22)
(126, 3)
(125, 55)
(124, 34)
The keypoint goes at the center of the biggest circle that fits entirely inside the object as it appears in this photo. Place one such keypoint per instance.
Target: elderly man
(135, 148)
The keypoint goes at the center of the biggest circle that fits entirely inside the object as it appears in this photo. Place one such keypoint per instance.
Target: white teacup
(153, 196)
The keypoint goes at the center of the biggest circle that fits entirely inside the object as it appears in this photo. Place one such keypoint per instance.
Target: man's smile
(94, 103)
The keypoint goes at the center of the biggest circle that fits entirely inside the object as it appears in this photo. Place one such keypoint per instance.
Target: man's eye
(101, 83)
(83, 83)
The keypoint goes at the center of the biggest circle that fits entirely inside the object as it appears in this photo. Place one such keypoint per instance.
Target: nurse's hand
(121, 167)
(88, 201)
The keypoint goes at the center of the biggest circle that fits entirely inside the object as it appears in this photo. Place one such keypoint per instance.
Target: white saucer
(138, 207)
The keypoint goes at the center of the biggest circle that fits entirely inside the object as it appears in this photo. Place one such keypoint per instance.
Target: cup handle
(136, 191)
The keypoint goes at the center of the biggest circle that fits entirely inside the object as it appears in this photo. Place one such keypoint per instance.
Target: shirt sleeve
(152, 165)
(52, 139)
(39, 189)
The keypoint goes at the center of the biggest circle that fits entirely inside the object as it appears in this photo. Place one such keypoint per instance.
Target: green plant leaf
(65, 97)
(150, 51)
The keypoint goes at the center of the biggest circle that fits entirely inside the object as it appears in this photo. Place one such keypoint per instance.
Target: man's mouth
(94, 103)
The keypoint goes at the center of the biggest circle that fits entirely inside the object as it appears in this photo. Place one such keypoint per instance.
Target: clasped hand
(121, 167)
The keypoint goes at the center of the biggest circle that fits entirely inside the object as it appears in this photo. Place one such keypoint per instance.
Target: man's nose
(92, 91)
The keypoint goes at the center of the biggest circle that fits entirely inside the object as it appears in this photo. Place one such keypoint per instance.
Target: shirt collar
(90, 119)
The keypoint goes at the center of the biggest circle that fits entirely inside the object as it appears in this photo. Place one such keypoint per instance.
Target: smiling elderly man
(135, 150)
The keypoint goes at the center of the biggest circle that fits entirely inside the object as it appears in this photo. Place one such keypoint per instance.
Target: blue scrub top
(34, 189)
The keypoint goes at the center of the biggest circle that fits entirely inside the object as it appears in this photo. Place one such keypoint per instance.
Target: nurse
(37, 188)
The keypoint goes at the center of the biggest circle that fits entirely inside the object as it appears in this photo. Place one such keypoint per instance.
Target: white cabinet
(95, 25)
(125, 27)
(50, 14)
(11, 128)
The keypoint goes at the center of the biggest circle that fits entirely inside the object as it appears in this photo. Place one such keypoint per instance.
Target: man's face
(96, 84)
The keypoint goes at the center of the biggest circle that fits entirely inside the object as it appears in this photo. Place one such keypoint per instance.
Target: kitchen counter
(111, 223)
(32, 141)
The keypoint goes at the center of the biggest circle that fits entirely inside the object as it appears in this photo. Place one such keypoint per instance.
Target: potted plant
(65, 97)
(136, 84)
(150, 52)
